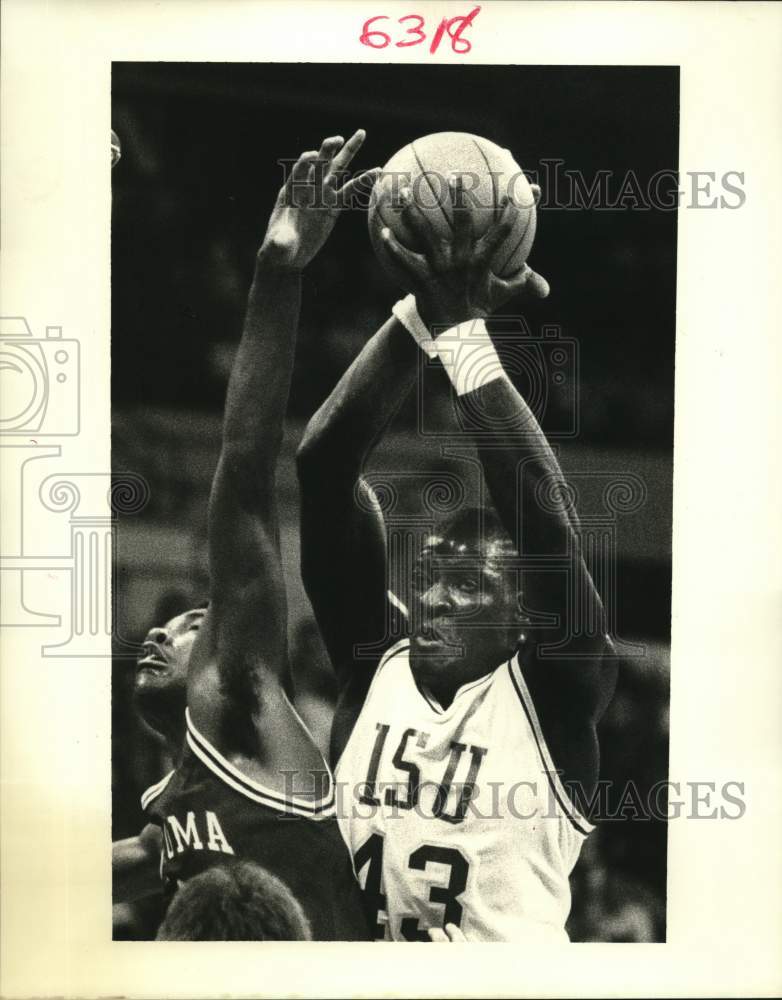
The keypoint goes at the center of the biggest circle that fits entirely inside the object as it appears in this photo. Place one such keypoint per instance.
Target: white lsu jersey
(457, 815)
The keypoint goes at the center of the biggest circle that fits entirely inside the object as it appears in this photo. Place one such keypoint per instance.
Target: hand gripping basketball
(452, 279)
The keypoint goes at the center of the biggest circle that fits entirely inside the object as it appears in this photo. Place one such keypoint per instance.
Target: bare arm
(241, 650)
(135, 865)
(572, 685)
(343, 544)
(454, 283)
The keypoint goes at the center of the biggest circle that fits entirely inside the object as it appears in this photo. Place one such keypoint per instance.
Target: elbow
(327, 457)
(311, 453)
(315, 457)
(307, 455)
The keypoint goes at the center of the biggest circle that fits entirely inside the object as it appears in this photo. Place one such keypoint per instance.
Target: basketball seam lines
(429, 183)
(495, 199)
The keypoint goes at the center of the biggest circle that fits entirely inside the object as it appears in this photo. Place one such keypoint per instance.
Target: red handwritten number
(367, 34)
(438, 35)
(418, 29)
(454, 27)
(456, 36)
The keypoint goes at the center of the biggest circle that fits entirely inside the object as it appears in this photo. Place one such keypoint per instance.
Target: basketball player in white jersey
(465, 736)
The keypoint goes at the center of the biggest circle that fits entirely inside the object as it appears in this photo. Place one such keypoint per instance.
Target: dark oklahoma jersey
(210, 813)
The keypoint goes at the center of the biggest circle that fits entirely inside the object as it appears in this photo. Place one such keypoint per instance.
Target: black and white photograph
(399, 377)
(389, 533)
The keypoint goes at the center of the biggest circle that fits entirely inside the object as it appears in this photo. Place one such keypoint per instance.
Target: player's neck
(443, 695)
(442, 699)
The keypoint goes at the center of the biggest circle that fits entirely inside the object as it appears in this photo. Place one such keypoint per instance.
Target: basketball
(489, 172)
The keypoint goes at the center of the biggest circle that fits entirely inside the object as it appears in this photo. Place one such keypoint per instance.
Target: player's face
(466, 616)
(161, 671)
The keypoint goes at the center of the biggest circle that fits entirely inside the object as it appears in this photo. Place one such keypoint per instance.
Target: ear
(519, 611)
(521, 618)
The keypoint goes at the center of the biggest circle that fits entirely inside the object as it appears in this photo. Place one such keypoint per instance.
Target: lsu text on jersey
(457, 815)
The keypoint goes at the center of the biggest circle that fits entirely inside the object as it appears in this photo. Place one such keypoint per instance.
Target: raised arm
(241, 650)
(567, 664)
(568, 668)
(343, 544)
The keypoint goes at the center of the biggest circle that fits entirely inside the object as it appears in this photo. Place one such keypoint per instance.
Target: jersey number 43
(370, 854)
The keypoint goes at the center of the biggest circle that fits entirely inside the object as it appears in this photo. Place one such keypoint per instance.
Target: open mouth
(153, 663)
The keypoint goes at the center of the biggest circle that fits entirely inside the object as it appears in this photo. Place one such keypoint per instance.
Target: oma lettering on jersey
(203, 834)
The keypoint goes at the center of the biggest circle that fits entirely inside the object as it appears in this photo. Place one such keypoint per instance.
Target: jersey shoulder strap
(561, 795)
(149, 796)
(394, 653)
(230, 775)
(402, 646)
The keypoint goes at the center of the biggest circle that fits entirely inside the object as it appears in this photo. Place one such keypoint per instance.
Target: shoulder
(364, 682)
(576, 677)
(399, 652)
(361, 686)
(208, 773)
(151, 794)
(564, 732)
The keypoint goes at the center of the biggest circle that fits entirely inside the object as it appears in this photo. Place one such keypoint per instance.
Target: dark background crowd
(197, 178)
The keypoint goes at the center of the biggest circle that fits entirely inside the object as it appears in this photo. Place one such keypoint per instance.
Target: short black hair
(472, 523)
(234, 902)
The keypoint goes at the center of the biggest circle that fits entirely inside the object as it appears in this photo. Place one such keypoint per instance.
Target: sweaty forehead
(473, 545)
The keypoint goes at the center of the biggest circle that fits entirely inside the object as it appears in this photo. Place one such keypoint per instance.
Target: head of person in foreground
(234, 902)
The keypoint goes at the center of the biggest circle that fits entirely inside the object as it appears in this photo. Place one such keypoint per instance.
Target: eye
(468, 584)
(195, 627)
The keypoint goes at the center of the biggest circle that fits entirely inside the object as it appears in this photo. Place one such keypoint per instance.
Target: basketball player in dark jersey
(251, 784)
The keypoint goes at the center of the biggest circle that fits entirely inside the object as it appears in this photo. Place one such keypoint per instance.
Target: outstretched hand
(310, 201)
(452, 278)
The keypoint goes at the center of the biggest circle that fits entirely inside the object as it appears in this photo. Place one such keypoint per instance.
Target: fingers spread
(355, 193)
(411, 263)
(415, 219)
(349, 150)
(321, 173)
(462, 215)
(498, 231)
(532, 284)
(301, 169)
(329, 147)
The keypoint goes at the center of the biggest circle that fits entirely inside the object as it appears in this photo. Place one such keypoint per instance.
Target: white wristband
(469, 356)
(406, 312)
